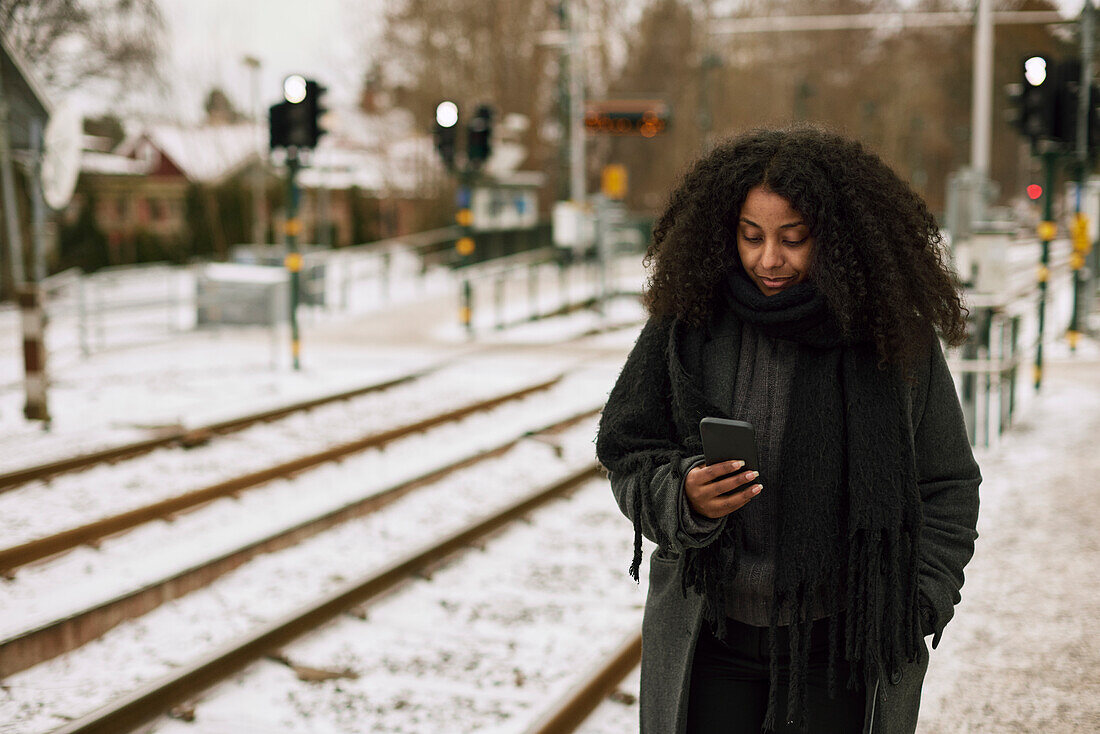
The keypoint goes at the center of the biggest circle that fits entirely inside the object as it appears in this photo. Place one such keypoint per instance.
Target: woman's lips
(776, 282)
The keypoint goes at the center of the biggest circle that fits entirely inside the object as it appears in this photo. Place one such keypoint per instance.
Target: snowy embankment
(85, 576)
(40, 508)
(270, 586)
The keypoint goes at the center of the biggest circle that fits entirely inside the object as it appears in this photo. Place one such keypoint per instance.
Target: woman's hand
(716, 491)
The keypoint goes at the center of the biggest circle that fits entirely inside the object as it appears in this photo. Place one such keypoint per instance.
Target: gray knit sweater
(757, 393)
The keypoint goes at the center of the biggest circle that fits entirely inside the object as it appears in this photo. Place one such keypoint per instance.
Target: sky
(329, 40)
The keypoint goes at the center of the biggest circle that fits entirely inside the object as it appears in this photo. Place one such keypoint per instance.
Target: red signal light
(1034, 191)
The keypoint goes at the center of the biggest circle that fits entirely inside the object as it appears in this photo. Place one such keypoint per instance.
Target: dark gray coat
(948, 478)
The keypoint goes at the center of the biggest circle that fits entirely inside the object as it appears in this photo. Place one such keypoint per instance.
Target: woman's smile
(776, 282)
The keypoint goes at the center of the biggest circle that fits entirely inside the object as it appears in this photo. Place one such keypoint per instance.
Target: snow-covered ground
(76, 580)
(200, 376)
(1022, 653)
(120, 393)
(41, 508)
(454, 654)
(272, 585)
(484, 646)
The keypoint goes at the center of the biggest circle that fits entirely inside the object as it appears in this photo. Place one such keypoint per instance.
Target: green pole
(293, 259)
(1080, 222)
(1047, 230)
(1077, 259)
(465, 246)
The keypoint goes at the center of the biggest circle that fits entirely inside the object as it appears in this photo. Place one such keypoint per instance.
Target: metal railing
(539, 284)
(993, 370)
(123, 306)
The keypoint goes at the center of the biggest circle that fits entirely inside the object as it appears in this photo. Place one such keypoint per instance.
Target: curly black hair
(879, 258)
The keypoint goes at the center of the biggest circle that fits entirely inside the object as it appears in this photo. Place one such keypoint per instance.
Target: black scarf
(849, 513)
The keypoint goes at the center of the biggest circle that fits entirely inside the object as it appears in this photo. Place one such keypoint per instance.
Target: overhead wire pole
(259, 209)
(981, 109)
(1047, 230)
(31, 297)
(38, 204)
(7, 181)
(576, 108)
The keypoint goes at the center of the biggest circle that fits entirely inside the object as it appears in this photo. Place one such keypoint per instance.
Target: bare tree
(220, 110)
(500, 52)
(904, 92)
(665, 57)
(70, 42)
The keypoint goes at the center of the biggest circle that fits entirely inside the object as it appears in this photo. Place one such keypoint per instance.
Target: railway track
(17, 653)
(46, 641)
(188, 437)
(160, 696)
(16, 556)
(567, 714)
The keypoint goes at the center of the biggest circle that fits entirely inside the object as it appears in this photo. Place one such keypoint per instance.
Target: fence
(128, 305)
(540, 284)
(993, 369)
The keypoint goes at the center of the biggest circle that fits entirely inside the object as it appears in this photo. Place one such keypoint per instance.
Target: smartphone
(725, 439)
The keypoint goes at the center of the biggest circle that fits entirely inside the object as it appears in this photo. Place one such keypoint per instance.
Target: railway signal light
(1067, 86)
(294, 88)
(314, 111)
(479, 136)
(296, 121)
(1034, 99)
(446, 129)
(1044, 103)
(1034, 191)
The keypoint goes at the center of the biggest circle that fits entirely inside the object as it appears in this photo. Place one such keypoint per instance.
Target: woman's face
(773, 241)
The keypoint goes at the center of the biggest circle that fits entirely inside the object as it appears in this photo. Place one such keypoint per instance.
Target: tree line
(906, 93)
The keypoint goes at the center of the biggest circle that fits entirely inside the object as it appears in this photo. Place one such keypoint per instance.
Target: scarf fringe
(879, 580)
(636, 563)
(643, 513)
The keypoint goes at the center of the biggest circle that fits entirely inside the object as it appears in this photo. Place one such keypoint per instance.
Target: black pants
(729, 685)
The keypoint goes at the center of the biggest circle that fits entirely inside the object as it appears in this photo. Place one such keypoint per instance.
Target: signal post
(478, 149)
(295, 125)
(1055, 109)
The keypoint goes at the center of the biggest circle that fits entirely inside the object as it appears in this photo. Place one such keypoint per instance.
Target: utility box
(228, 293)
(991, 266)
(312, 275)
(574, 227)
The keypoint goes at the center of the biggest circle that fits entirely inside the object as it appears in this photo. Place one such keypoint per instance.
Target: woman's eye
(751, 239)
(795, 243)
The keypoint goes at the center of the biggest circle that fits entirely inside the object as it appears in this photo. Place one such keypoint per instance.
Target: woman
(796, 284)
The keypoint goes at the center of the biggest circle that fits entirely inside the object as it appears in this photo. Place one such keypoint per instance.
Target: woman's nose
(772, 257)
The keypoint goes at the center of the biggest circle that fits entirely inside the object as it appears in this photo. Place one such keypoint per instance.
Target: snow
(1021, 654)
(494, 636)
(270, 586)
(203, 153)
(483, 646)
(77, 580)
(244, 273)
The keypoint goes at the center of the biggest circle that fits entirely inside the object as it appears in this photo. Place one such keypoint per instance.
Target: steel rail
(579, 703)
(156, 698)
(187, 437)
(35, 550)
(57, 637)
